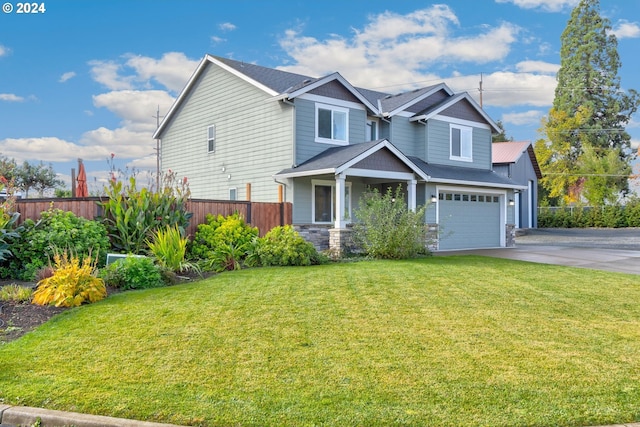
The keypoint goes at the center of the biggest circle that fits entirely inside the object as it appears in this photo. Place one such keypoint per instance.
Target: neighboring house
(241, 131)
(517, 161)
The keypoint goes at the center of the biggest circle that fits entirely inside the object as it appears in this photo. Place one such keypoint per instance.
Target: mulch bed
(16, 319)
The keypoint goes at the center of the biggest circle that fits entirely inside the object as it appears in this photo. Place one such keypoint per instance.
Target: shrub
(8, 232)
(283, 246)
(38, 242)
(132, 215)
(15, 293)
(72, 283)
(387, 228)
(227, 257)
(169, 248)
(133, 272)
(220, 232)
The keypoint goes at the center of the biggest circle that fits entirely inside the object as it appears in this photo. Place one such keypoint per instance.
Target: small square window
(449, 196)
(456, 197)
(465, 197)
(481, 198)
(474, 198)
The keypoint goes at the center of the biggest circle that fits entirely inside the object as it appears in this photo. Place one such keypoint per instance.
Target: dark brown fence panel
(32, 208)
(265, 216)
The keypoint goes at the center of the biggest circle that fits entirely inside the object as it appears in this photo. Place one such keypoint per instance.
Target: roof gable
(366, 155)
(464, 97)
(511, 152)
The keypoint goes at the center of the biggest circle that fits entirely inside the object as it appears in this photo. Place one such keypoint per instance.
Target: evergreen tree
(587, 121)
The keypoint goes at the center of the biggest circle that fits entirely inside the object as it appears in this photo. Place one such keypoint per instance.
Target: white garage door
(469, 220)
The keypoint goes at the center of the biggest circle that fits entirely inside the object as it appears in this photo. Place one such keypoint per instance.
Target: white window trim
(332, 184)
(332, 108)
(236, 191)
(211, 139)
(464, 130)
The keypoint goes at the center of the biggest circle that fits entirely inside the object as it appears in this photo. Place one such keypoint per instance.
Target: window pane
(339, 126)
(465, 144)
(455, 142)
(323, 204)
(324, 123)
(347, 202)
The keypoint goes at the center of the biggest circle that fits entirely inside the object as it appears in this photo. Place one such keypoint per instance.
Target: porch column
(340, 186)
(411, 194)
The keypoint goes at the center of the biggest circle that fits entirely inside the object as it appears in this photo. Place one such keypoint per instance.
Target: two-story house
(320, 143)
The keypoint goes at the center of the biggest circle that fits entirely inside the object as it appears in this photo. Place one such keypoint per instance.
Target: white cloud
(546, 5)
(537, 67)
(123, 142)
(523, 118)
(172, 71)
(107, 73)
(217, 40)
(227, 26)
(395, 49)
(136, 108)
(626, 30)
(67, 76)
(51, 148)
(10, 97)
(4, 51)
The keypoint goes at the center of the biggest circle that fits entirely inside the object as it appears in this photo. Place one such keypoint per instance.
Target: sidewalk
(14, 416)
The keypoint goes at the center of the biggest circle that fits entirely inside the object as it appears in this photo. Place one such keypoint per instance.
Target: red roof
(510, 152)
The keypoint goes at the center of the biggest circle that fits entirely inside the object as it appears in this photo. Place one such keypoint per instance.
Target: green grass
(442, 341)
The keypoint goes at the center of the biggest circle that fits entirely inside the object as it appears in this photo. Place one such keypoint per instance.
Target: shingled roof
(511, 152)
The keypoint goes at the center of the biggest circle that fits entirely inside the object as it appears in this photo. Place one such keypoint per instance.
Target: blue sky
(84, 79)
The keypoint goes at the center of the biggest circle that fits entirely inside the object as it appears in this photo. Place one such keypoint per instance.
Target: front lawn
(441, 341)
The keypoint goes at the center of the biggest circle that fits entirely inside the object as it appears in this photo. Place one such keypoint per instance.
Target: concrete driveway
(601, 249)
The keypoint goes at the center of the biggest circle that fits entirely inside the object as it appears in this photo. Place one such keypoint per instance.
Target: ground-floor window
(324, 202)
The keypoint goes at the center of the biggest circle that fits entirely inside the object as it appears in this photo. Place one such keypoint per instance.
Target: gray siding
(405, 136)
(254, 138)
(438, 150)
(522, 172)
(306, 146)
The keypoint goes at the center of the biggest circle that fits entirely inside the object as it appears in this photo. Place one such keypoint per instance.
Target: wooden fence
(263, 215)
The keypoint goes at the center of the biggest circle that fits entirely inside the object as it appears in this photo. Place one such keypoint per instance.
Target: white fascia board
(420, 98)
(478, 184)
(343, 81)
(372, 173)
(242, 76)
(332, 101)
(313, 172)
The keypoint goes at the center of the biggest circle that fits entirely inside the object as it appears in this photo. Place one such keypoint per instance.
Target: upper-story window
(461, 142)
(371, 130)
(332, 124)
(211, 138)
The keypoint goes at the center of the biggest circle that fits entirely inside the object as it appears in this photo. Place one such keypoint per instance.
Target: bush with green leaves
(283, 246)
(56, 230)
(387, 228)
(218, 234)
(609, 216)
(132, 215)
(133, 272)
(169, 247)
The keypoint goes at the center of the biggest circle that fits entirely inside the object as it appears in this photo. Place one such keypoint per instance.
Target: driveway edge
(26, 416)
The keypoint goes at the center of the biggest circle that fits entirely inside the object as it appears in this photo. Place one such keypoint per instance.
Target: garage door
(469, 220)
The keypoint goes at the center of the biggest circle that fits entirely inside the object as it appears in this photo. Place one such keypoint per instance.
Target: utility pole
(480, 89)
(157, 117)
